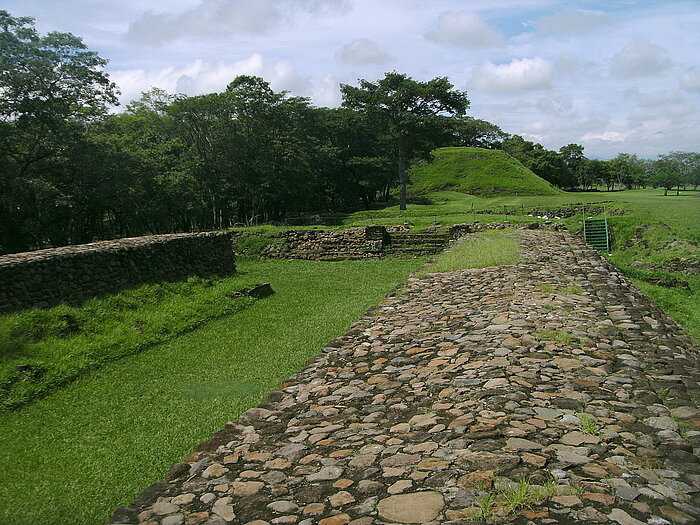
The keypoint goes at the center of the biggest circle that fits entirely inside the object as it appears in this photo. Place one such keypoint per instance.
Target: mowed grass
(95, 444)
(41, 350)
(489, 248)
(477, 171)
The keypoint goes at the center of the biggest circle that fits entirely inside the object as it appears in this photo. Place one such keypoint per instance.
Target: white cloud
(690, 79)
(215, 18)
(466, 30)
(573, 21)
(640, 58)
(538, 127)
(200, 77)
(328, 94)
(525, 74)
(363, 51)
(607, 136)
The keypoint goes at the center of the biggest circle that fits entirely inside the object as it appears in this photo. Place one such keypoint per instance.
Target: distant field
(476, 171)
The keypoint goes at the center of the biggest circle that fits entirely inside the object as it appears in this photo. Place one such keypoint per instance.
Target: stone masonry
(71, 274)
(547, 392)
(356, 243)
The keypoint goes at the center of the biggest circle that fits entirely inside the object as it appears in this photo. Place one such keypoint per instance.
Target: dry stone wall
(356, 243)
(71, 274)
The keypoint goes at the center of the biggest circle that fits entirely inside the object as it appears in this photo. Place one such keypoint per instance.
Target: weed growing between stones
(507, 499)
(560, 336)
(561, 290)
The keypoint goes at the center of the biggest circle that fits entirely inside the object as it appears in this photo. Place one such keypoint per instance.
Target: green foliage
(477, 171)
(97, 442)
(51, 87)
(471, 132)
(407, 113)
(490, 248)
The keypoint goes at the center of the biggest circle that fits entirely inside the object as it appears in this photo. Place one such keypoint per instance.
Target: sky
(614, 76)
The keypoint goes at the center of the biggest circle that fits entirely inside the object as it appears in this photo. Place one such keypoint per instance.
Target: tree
(575, 162)
(476, 133)
(667, 173)
(50, 86)
(628, 170)
(597, 172)
(406, 112)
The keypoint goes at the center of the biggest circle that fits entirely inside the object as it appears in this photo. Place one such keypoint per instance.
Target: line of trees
(569, 169)
(71, 172)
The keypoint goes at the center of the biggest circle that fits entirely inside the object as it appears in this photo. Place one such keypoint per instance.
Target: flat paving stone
(460, 386)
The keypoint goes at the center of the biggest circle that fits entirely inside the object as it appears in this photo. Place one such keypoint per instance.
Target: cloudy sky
(613, 75)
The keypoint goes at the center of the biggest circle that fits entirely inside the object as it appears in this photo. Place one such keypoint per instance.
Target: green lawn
(489, 248)
(41, 350)
(93, 445)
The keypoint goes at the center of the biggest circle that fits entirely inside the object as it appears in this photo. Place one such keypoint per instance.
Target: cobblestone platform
(550, 391)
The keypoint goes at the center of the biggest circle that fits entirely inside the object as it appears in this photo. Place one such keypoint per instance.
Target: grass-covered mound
(477, 171)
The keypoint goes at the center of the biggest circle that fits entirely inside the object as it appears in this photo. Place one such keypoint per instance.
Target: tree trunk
(402, 178)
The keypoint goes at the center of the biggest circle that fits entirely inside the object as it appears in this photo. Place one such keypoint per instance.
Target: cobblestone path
(546, 392)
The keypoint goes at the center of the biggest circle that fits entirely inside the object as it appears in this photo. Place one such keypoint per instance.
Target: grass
(489, 248)
(41, 350)
(93, 445)
(560, 336)
(589, 424)
(477, 171)
(507, 499)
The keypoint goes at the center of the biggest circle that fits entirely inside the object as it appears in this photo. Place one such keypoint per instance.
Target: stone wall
(71, 274)
(370, 242)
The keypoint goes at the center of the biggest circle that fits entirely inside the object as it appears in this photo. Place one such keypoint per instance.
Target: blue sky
(615, 76)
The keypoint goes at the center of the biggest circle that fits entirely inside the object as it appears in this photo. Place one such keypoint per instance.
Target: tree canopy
(404, 111)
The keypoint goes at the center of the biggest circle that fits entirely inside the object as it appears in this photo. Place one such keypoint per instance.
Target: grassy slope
(75, 455)
(41, 350)
(477, 171)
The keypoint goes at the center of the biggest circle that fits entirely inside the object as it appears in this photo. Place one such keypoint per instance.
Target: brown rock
(478, 479)
(343, 483)
(339, 519)
(675, 516)
(341, 498)
(196, 518)
(533, 514)
(314, 509)
(246, 488)
(433, 464)
(417, 507)
(534, 459)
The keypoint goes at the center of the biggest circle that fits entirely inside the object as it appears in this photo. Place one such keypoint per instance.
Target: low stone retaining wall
(357, 243)
(72, 274)
(372, 242)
